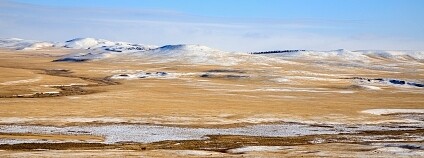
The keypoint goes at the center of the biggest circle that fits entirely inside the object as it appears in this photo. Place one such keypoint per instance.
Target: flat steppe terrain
(36, 92)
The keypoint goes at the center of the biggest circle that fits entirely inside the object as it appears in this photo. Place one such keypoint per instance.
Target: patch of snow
(195, 153)
(360, 55)
(309, 73)
(393, 111)
(104, 45)
(140, 75)
(195, 54)
(21, 44)
(154, 133)
(399, 83)
(97, 49)
(52, 92)
(387, 54)
(38, 46)
(312, 78)
(317, 141)
(100, 48)
(371, 87)
(86, 43)
(310, 54)
(257, 149)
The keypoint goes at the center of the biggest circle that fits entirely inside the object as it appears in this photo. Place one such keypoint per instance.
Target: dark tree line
(277, 51)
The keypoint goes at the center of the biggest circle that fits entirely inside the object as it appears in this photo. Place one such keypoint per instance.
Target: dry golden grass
(190, 100)
(50, 137)
(219, 146)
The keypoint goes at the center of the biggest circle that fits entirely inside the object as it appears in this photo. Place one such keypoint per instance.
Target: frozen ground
(153, 133)
(257, 149)
(393, 111)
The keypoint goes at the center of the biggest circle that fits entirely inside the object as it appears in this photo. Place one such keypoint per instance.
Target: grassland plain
(34, 91)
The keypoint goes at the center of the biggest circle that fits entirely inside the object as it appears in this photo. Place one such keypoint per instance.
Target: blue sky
(234, 25)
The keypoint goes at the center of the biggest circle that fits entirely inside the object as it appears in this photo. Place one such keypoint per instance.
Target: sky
(232, 25)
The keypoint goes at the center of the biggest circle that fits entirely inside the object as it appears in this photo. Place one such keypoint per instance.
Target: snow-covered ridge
(95, 44)
(418, 55)
(97, 49)
(77, 43)
(347, 54)
(21, 44)
(87, 43)
(197, 54)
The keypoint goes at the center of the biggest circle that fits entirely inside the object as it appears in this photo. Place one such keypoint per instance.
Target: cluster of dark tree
(70, 60)
(277, 51)
(119, 49)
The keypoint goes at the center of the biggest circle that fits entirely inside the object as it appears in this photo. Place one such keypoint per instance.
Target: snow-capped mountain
(21, 44)
(196, 54)
(417, 55)
(87, 43)
(77, 43)
(360, 55)
(95, 44)
(99, 49)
